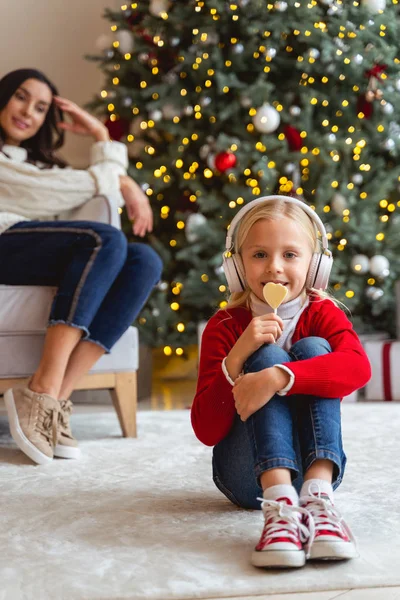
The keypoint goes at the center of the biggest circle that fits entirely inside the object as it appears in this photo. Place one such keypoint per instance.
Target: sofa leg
(124, 397)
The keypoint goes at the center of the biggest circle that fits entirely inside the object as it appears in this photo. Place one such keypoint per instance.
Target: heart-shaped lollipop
(274, 294)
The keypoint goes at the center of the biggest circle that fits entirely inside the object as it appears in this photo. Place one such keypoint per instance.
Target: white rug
(141, 519)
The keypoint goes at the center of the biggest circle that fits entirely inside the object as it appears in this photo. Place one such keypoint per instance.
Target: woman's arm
(82, 122)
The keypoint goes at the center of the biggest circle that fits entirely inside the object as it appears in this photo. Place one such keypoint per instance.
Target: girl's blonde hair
(273, 210)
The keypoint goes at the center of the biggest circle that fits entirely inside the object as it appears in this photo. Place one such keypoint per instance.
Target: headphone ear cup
(234, 273)
(319, 271)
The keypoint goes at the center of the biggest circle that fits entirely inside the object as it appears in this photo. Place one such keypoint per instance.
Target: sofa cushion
(25, 308)
(20, 353)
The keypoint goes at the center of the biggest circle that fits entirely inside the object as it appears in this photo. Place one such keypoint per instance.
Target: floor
(178, 394)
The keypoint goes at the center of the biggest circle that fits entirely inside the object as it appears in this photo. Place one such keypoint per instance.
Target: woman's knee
(112, 240)
(266, 356)
(310, 347)
(142, 256)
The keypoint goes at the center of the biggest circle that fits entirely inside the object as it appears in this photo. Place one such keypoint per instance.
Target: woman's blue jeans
(288, 432)
(103, 282)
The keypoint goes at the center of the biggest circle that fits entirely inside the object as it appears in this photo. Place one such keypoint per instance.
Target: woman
(102, 281)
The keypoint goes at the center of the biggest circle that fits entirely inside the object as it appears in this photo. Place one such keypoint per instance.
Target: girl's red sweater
(332, 375)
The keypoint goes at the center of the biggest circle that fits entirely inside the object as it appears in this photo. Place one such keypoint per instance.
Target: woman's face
(25, 112)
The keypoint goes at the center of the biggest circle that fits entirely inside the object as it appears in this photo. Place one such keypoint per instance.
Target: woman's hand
(83, 123)
(253, 390)
(261, 330)
(137, 206)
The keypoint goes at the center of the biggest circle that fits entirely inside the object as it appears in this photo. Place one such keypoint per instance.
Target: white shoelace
(325, 516)
(284, 520)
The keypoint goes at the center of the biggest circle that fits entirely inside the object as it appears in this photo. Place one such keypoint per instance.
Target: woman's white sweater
(29, 191)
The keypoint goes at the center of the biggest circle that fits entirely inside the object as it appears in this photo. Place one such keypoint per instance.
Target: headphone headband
(289, 200)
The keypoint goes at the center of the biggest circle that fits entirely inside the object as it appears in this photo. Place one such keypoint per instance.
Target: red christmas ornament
(293, 137)
(364, 106)
(376, 71)
(117, 129)
(224, 161)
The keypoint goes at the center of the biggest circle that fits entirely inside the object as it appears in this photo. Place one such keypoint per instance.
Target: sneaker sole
(333, 551)
(61, 451)
(279, 559)
(18, 435)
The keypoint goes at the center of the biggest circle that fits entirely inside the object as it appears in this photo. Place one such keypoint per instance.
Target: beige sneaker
(66, 446)
(33, 422)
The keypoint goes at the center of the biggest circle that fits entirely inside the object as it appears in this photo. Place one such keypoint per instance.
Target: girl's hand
(253, 390)
(261, 330)
(137, 206)
(83, 123)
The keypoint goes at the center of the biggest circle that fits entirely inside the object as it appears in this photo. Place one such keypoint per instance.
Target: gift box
(384, 384)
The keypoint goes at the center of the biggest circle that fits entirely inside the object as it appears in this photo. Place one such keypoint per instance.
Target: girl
(102, 280)
(281, 418)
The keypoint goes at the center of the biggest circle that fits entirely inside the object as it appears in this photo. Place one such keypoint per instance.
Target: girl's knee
(311, 346)
(266, 356)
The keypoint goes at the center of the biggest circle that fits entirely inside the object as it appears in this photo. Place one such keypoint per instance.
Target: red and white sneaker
(332, 539)
(283, 536)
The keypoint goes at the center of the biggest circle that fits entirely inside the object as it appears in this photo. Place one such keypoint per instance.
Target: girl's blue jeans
(288, 432)
(103, 282)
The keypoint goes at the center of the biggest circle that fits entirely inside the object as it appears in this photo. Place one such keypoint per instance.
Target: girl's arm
(340, 372)
(233, 338)
(213, 408)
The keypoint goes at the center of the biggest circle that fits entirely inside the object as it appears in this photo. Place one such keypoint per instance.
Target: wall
(54, 36)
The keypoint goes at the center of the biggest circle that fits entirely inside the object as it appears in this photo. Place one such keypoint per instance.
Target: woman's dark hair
(49, 138)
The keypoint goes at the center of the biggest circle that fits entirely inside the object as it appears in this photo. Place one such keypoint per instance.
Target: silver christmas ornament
(238, 48)
(338, 203)
(156, 115)
(295, 111)
(314, 53)
(388, 108)
(163, 286)
(360, 263)
(267, 119)
(358, 59)
(156, 7)
(374, 6)
(388, 144)
(357, 178)
(374, 293)
(378, 264)
(331, 137)
(125, 39)
(155, 312)
(281, 6)
(193, 222)
(271, 52)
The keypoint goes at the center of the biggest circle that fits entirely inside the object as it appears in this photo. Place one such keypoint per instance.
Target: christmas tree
(222, 102)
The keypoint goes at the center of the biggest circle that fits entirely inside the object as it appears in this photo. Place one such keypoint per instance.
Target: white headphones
(320, 265)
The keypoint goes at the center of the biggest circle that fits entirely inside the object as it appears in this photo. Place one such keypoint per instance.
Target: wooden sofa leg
(124, 397)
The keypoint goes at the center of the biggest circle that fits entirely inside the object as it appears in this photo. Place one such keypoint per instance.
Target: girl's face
(279, 251)
(25, 112)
